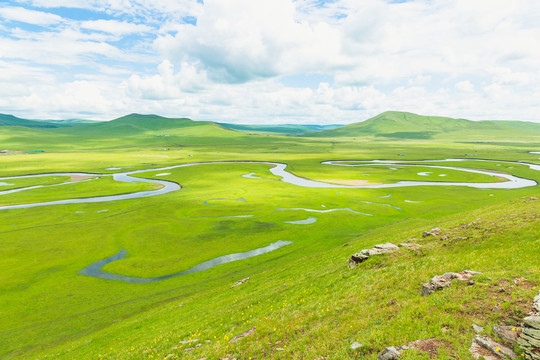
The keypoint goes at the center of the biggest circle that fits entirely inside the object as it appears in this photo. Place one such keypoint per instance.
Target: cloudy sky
(270, 61)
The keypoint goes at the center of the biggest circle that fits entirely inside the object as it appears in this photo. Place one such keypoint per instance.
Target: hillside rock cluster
(439, 282)
(529, 337)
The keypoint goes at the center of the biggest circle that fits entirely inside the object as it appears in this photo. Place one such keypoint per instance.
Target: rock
(356, 345)
(387, 247)
(364, 254)
(477, 329)
(507, 333)
(439, 282)
(390, 353)
(533, 198)
(534, 333)
(430, 346)
(357, 258)
(535, 343)
(532, 321)
(536, 304)
(410, 245)
(496, 349)
(426, 234)
(242, 335)
(240, 282)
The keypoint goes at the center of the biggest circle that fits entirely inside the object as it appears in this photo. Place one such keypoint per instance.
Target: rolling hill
(403, 125)
(10, 120)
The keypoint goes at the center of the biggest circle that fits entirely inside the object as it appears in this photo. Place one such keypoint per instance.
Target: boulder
(391, 353)
(364, 254)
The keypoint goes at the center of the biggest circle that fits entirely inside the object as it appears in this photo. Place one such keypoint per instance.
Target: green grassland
(302, 298)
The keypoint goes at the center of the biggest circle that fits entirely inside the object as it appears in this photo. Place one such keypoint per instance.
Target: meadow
(302, 299)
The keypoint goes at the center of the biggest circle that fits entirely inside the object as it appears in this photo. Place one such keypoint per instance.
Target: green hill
(126, 131)
(404, 125)
(10, 120)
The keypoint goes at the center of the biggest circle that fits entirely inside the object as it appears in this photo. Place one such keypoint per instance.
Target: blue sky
(262, 61)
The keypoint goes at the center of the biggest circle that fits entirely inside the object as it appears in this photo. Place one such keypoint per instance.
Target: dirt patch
(158, 186)
(349, 182)
(80, 177)
(430, 346)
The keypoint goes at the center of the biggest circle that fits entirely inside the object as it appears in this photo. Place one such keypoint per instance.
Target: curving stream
(95, 269)
(278, 169)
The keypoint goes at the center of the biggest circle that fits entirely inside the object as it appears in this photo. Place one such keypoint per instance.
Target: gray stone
(479, 352)
(536, 304)
(532, 321)
(524, 343)
(532, 341)
(438, 282)
(507, 333)
(387, 247)
(356, 345)
(240, 282)
(535, 333)
(426, 234)
(501, 351)
(371, 252)
(410, 245)
(477, 329)
(391, 353)
(242, 335)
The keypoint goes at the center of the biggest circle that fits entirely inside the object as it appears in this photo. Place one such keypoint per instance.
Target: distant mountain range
(404, 125)
(390, 125)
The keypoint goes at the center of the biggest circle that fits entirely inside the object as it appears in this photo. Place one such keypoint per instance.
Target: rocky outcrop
(365, 254)
(440, 282)
(529, 337)
(483, 347)
(433, 232)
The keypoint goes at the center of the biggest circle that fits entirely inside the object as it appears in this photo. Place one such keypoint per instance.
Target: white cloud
(472, 59)
(115, 27)
(167, 84)
(29, 16)
(465, 86)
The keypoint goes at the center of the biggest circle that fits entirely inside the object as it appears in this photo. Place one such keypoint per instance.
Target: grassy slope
(46, 304)
(403, 125)
(315, 307)
(10, 120)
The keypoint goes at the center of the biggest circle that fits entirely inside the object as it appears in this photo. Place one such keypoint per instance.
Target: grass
(302, 299)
